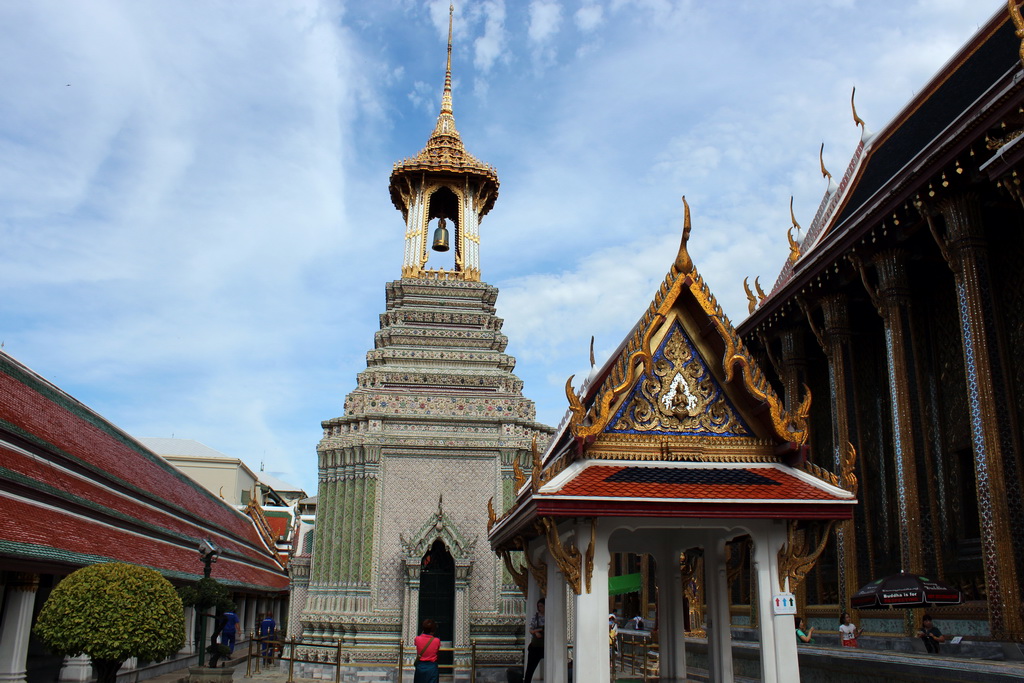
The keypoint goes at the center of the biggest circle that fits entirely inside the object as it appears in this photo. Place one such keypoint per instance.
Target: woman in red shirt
(427, 646)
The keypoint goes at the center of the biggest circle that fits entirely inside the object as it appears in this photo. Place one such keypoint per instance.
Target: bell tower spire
(447, 183)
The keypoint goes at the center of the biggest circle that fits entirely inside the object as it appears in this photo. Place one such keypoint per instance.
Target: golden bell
(440, 237)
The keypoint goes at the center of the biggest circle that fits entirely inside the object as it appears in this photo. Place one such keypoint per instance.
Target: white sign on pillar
(783, 603)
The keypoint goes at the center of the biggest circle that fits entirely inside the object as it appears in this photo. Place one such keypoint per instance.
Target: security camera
(208, 549)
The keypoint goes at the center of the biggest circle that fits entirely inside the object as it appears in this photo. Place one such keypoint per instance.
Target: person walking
(230, 630)
(268, 629)
(427, 647)
(535, 650)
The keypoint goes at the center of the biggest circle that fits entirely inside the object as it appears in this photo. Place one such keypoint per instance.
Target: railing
(269, 650)
(636, 651)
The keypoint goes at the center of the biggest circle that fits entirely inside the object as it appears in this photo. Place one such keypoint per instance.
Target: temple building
(673, 448)
(76, 490)
(435, 428)
(886, 348)
(902, 310)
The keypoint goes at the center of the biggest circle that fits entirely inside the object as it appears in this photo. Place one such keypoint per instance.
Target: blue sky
(194, 213)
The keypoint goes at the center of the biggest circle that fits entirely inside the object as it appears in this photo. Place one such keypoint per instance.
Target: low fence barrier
(264, 651)
(635, 652)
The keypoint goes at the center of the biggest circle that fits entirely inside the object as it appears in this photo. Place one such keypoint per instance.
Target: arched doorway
(437, 595)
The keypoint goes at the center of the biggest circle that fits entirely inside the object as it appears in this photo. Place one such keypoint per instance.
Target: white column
(532, 596)
(590, 660)
(782, 626)
(15, 626)
(555, 665)
(718, 620)
(190, 632)
(671, 623)
(767, 586)
(78, 669)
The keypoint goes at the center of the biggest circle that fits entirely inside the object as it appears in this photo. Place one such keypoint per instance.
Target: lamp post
(208, 553)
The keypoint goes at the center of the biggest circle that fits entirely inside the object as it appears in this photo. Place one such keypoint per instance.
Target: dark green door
(437, 597)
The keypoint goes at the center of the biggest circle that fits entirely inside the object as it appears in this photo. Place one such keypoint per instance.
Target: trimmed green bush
(207, 593)
(111, 612)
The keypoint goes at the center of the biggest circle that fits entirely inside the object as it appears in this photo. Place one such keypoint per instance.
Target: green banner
(627, 583)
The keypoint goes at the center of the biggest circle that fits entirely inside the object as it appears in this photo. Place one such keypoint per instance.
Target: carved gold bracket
(539, 570)
(535, 479)
(815, 328)
(567, 556)
(588, 557)
(1018, 23)
(796, 557)
(688, 564)
(518, 573)
(847, 475)
(491, 516)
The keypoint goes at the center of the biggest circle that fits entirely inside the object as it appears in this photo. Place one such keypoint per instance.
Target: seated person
(930, 635)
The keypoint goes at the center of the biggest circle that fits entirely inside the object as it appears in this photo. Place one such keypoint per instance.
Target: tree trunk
(106, 669)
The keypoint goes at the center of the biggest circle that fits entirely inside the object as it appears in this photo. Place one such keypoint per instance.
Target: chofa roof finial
(683, 261)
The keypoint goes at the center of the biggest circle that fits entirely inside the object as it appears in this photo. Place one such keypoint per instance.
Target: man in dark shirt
(930, 635)
(227, 634)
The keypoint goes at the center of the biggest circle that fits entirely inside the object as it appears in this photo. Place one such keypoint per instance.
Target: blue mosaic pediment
(680, 396)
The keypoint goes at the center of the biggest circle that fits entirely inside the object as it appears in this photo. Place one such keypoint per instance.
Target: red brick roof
(691, 481)
(689, 489)
(76, 489)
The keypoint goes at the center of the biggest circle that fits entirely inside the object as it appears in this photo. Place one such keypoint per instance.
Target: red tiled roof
(75, 487)
(685, 481)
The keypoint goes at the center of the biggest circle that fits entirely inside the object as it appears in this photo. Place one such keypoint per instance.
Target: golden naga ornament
(566, 556)
(517, 472)
(538, 569)
(794, 246)
(797, 557)
(518, 573)
(1018, 23)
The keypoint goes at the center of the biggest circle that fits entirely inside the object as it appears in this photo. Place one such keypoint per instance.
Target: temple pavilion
(674, 447)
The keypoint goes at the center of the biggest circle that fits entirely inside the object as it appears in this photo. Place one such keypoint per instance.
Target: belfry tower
(429, 436)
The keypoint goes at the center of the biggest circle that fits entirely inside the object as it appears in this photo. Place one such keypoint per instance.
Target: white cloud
(490, 45)
(589, 17)
(545, 20)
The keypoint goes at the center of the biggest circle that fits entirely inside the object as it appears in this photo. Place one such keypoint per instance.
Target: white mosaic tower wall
(427, 438)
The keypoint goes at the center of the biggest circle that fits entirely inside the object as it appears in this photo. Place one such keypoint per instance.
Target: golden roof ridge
(588, 421)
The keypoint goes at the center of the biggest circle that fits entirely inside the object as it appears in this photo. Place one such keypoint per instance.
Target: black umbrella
(905, 590)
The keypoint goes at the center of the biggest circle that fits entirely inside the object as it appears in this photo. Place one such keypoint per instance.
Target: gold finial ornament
(1018, 22)
(794, 246)
(856, 119)
(757, 287)
(683, 261)
(751, 301)
(592, 362)
(821, 158)
(445, 162)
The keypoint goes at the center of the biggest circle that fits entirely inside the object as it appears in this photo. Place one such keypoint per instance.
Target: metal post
(472, 664)
(400, 656)
(207, 560)
(248, 661)
(645, 664)
(291, 663)
(337, 669)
